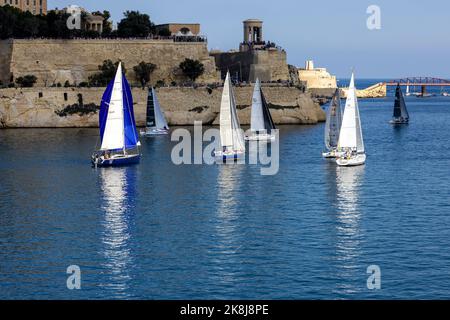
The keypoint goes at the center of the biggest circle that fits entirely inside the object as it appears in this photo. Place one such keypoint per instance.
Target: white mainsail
(114, 135)
(160, 120)
(257, 116)
(350, 136)
(231, 135)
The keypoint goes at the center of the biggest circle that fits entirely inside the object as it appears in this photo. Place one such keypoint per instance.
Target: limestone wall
(53, 61)
(5, 59)
(182, 106)
(378, 90)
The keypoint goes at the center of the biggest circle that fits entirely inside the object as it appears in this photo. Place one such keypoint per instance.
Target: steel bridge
(419, 82)
(422, 82)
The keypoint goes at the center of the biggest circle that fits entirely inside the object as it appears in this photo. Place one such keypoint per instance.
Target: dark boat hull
(399, 121)
(117, 161)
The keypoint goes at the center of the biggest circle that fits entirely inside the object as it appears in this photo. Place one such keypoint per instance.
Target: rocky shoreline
(78, 107)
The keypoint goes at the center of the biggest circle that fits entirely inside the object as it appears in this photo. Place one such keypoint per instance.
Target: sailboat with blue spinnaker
(118, 133)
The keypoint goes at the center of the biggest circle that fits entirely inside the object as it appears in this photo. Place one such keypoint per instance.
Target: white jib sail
(230, 133)
(257, 117)
(350, 136)
(113, 136)
(160, 121)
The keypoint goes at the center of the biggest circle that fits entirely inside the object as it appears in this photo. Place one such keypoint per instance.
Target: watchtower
(253, 35)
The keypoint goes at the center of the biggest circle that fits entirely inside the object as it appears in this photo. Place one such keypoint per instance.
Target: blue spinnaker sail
(104, 107)
(131, 134)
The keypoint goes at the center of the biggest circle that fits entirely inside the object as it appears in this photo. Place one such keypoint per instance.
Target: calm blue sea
(160, 231)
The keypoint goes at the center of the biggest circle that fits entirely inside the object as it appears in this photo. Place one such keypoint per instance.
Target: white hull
(154, 132)
(333, 154)
(260, 137)
(352, 161)
(229, 154)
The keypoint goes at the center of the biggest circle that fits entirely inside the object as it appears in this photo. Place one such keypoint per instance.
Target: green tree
(27, 81)
(107, 72)
(143, 71)
(134, 24)
(192, 68)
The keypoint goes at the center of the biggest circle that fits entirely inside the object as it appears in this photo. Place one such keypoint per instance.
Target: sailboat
(261, 123)
(408, 93)
(231, 136)
(156, 124)
(401, 115)
(351, 144)
(333, 126)
(119, 137)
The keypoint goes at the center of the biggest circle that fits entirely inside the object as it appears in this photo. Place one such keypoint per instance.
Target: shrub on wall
(143, 71)
(26, 81)
(192, 68)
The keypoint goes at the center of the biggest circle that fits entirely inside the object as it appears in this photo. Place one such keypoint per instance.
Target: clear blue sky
(413, 41)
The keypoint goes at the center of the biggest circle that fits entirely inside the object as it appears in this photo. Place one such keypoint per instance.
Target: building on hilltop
(255, 59)
(89, 21)
(316, 78)
(180, 32)
(179, 29)
(33, 6)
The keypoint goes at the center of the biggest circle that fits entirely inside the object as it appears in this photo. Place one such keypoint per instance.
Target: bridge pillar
(424, 90)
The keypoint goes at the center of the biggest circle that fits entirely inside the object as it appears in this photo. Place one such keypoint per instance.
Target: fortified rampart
(50, 107)
(55, 61)
(267, 65)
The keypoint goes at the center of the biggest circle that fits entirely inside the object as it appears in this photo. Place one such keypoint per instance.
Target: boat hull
(399, 121)
(353, 161)
(154, 132)
(333, 154)
(118, 161)
(260, 137)
(228, 155)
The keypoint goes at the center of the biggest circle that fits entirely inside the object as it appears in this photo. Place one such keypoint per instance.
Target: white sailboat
(119, 137)
(333, 126)
(408, 93)
(351, 144)
(156, 124)
(261, 123)
(231, 136)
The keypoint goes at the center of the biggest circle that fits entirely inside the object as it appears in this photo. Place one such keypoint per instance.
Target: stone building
(94, 23)
(316, 78)
(256, 58)
(34, 6)
(89, 21)
(180, 29)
